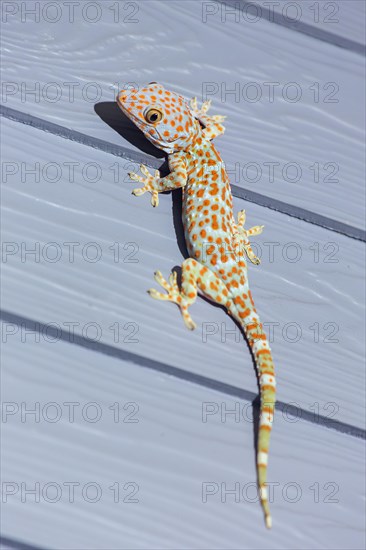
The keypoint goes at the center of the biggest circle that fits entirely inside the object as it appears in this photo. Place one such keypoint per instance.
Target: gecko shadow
(256, 401)
(112, 115)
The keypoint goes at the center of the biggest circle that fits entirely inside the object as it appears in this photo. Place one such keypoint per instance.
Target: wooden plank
(295, 114)
(313, 306)
(180, 468)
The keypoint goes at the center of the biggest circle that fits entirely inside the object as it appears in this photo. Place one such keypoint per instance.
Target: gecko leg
(195, 277)
(155, 184)
(212, 124)
(150, 183)
(174, 295)
(244, 234)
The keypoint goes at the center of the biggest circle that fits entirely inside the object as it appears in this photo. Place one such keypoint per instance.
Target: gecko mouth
(168, 141)
(126, 112)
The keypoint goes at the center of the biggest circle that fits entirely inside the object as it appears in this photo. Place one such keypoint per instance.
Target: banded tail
(253, 328)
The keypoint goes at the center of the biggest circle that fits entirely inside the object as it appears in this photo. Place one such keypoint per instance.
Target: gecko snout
(121, 96)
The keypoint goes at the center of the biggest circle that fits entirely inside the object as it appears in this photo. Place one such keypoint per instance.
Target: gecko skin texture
(218, 245)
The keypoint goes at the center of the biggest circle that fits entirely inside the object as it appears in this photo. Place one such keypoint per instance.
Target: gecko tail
(267, 383)
(258, 342)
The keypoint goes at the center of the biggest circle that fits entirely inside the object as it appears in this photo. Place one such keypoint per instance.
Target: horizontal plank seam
(291, 411)
(296, 25)
(141, 158)
(9, 542)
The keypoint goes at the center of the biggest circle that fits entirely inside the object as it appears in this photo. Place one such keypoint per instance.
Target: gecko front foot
(244, 235)
(202, 112)
(150, 183)
(173, 295)
(204, 107)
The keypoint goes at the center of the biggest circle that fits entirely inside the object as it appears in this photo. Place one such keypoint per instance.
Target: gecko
(218, 245)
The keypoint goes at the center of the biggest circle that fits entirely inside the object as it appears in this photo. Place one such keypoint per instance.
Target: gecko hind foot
(245, 234)
(173, 295)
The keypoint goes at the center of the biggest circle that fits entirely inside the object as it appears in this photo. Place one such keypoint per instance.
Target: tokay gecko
(218, 245)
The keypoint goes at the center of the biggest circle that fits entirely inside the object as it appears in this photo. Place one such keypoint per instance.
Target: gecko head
(164, 117)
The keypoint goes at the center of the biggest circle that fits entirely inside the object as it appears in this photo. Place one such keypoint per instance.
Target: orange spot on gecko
(263, 352)
(245, 313)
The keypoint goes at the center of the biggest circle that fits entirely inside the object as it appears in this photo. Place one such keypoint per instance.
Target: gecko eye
(153, 115)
